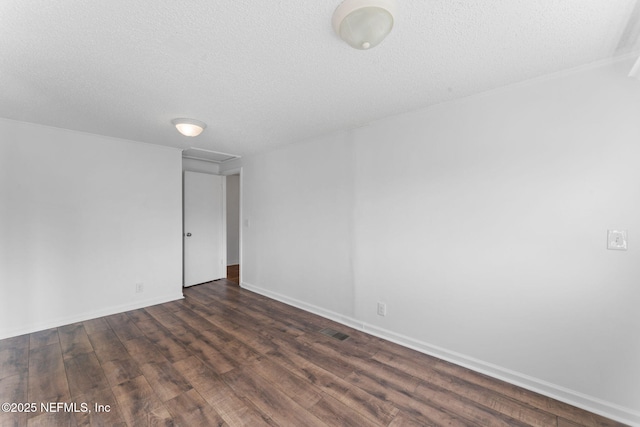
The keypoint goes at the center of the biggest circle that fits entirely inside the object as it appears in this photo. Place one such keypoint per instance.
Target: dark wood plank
(293, 386)
(138, 403)
(337, 367)
(85, 374)
(335, 386)
(47, 377)
(173, 306)
(200, 376)
(359, 361)
(48, 388)
(74, 340)
(107, 346)
(236, 351)
(46, 360)
(250, 336)
(165, 380)
(167, 319)
(235, 410)
(13, 389)
(106, 414)
(58, 419)
(43, 338)
(209, 355)
(418, 409)
(14, 361)
(269, 399)
(21, 341)
(195, 342)
(13, 420)
(72, 349)
(336, 413)
(72, 333)
(190, 409)
(121, 370)
(143, 321)
(124, 328)
(227, 346)
(159, 417)
(566, 423)
(403, 420)
(462, 407)
(45, 386)
(167, 345)
(95, 325)
(233, 273)
(191, 318)
(201, 308)
(142, 350)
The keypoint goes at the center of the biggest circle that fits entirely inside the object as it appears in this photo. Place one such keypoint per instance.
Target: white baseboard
(580, 400)
(327, 314)
(41, 326)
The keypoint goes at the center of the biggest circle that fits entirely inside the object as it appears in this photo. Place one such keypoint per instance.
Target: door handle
(188, 234)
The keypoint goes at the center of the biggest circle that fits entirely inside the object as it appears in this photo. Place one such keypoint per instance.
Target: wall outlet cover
(617, 240)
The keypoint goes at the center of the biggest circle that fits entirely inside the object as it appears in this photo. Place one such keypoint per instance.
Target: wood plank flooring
(233, 273)
(226, 356)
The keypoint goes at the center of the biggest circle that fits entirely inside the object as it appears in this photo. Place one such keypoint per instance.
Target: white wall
(233, 219)
(83, 218)
(481, 223)
(299, 205)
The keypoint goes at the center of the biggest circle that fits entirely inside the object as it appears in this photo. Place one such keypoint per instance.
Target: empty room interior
(295, 213)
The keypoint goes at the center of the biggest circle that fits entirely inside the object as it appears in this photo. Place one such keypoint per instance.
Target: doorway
(233, 227)
(204, 228)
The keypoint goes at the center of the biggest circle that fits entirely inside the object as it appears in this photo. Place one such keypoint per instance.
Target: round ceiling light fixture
(189, 127)
(363, 24)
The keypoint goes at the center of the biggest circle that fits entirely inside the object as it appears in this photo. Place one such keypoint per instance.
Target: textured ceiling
(267, 73)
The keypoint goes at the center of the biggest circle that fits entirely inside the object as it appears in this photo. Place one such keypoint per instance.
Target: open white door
(204, 228)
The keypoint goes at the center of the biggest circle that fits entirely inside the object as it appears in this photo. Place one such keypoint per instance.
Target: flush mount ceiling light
(363, 24)
(189, 127)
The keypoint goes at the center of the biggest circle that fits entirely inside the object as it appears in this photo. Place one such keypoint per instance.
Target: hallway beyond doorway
(233, 273)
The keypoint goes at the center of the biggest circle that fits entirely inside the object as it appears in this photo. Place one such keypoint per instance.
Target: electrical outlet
(617, 240)
(139, 287)
(382, 309)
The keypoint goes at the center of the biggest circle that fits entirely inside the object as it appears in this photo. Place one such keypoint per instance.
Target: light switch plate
(617, 240)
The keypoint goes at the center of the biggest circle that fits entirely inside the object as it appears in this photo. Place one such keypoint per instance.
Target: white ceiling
(267, 73)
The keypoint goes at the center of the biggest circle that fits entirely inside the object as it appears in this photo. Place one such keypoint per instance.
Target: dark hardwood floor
(233, 273)
(226, 356)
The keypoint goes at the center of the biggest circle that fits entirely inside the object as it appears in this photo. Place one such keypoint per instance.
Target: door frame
(236, 171)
